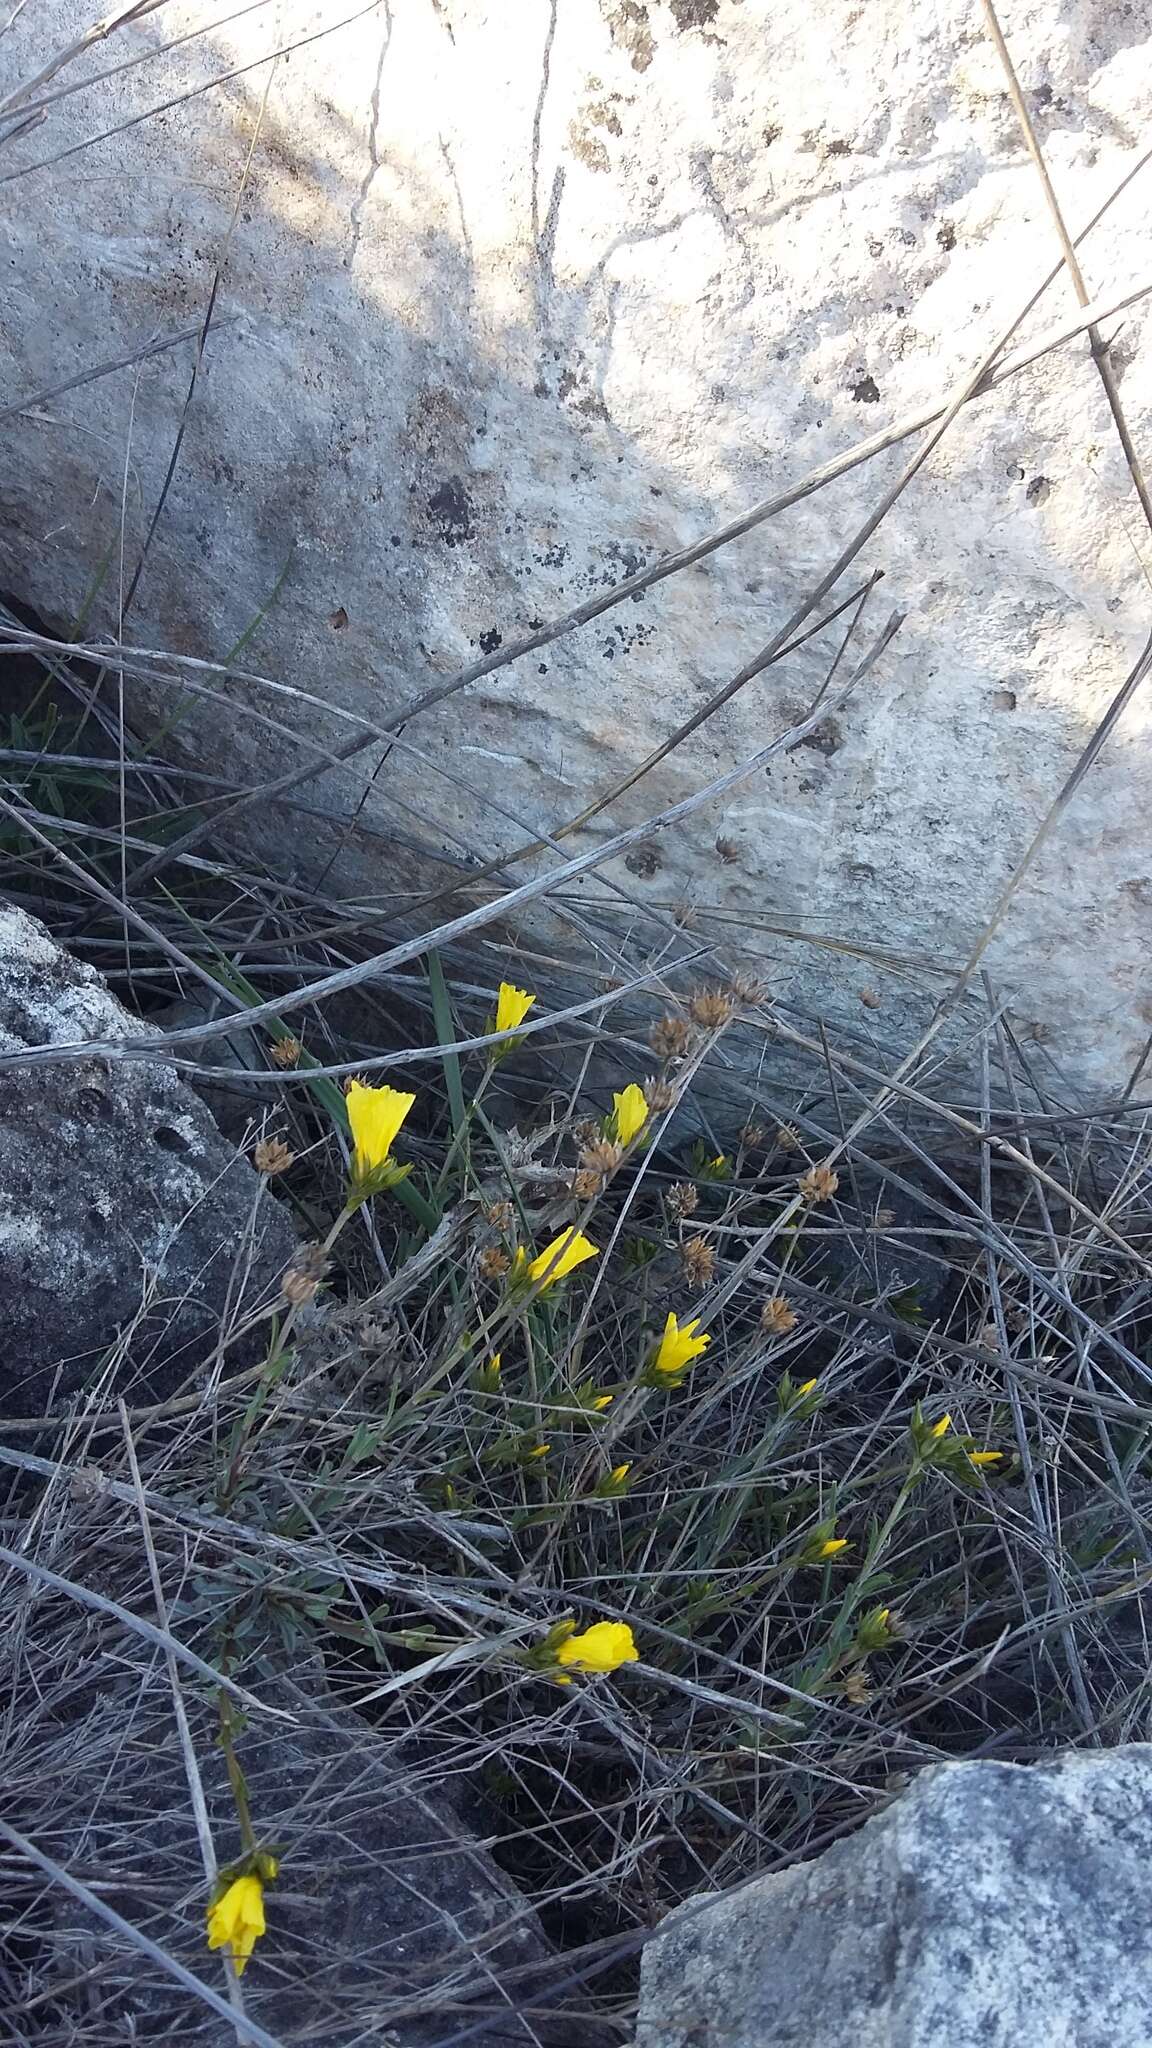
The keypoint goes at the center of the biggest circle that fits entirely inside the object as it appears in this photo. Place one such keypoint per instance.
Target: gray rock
(128, 1226)
(993, 1906)
(508, 313)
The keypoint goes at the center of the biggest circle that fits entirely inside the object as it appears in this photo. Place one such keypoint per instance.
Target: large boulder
(130, 1230)
(517, 302)
(991, 1904)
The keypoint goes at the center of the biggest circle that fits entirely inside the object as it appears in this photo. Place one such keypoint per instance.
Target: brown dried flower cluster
(285, 1052)
(670, 1038)
(752, 1137)
(682, 1198)
(857, 1688)
(660, 1094)
(787, 1138)
(711, 1008)
(602, 1156)
(699, 1262)
(302, 1279)
(272, 1155)
(819, 1184)
(500, 1216)
(493, 1263)
(776, 1318)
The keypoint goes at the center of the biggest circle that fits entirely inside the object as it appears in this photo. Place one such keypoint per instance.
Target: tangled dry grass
(341, 1559)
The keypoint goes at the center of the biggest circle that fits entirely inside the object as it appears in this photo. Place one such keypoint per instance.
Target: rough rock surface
(515, 310)
(992, 1904)
(122, 1209)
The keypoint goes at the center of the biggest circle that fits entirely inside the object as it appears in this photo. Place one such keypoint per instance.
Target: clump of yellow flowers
(555, 1262)
(938, 1446)
(236, 1914)
(598, 1650)
(675, 1352)
(512, 1006)
(375, 1116)
(630, 1113)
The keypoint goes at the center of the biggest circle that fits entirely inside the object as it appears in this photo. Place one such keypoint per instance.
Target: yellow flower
(375, 1115)
(985, 1457)
(557, 1259)
(806, 1387)
(540, 1451)
(834, 1546)
(603, 1647)
(678, 1347)
(942, 1427)
(618, 1473)
(631, 1112)
(512, 1006)
(236, 1921)
(603, 1401)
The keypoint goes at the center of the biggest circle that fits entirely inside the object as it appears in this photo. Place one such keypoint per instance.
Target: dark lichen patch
(694, 13)
(644, 861)
(827, 739)
(630, 31)
(865, 390)
(588, 148)
(1038, 490)
(450, 512)
(491, 640)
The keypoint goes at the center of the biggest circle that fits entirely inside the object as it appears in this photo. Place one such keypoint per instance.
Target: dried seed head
(710, 1008)
(500, 1216)
(602, 1156)
(493, 1263)
(285, 1052)
(776, 1318)
(747, 989)
(857, 1688)
(752, 1137)
(660, 1094)
(699, 1262)
(587, 1184)
(682, 1199)
(272, 1156)
(302, 1278)
(787, 1138)
(670, 1038)
(819, 1184)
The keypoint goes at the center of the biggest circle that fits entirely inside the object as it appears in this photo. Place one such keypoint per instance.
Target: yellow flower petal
(512, 1006)
(603, 1647)
(834, 1546)
(375, 1115)
(631, 1112)
(236, 1921)
(620, 1472)
(559, 1258)
(942, 1427)
(679, 1345)
(985, 1457)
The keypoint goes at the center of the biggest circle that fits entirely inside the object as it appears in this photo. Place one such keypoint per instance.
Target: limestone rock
(128, 1225)
(992, 1903)
(511, 309)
